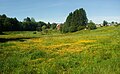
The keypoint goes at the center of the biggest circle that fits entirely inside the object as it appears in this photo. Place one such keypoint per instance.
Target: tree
(0, 26)
(48, 25)
(105, 23)
(44, 29)
(38, 29)
(29, 24)
(91, 25)
(40, 23)
(15, 24)
(53, 26)
(7, 24)
(32, 19)
(64, 28)
(2, 19)
(69, 19)
(112, 22)
(75, 21)
(27, 19)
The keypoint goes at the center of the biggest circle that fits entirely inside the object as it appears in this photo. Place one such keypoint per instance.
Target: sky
(58, 10)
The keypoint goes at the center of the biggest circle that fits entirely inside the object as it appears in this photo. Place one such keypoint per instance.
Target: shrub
(34, 32)
(44, 29)
(81, 28)
(39, 29)
(91, 26)
(117, 25)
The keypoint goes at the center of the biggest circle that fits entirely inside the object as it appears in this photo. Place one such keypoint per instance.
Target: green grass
(83, 52)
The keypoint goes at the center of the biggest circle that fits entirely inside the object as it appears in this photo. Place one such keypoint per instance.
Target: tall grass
(84, 52)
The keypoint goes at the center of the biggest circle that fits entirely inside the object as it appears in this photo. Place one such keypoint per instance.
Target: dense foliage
(91, 25)
(75, 21)
(105, 23)
(28, 24)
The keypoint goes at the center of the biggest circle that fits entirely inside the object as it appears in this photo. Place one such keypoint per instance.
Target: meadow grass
(83, 52)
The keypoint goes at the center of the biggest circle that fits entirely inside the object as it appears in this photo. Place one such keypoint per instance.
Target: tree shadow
(2, 40)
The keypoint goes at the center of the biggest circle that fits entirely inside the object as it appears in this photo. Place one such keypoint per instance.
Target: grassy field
(84, 52)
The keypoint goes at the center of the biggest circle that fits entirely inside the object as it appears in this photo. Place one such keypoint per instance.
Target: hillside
(83, 52)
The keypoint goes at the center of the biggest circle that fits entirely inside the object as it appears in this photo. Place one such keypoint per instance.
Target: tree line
(28, 24)
(75, 21)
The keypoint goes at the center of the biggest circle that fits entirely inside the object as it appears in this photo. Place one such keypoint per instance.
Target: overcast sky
(58, 10)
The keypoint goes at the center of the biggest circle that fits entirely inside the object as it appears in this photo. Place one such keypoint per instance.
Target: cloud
(99, 19)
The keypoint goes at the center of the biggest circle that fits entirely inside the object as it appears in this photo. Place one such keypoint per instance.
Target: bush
(39, 29)
(91, 26)
(44, 30)
(34, 32)
(81, 28)
(117, 25)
